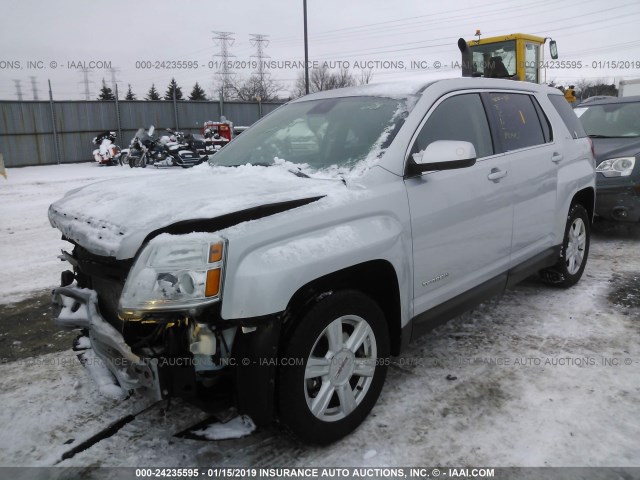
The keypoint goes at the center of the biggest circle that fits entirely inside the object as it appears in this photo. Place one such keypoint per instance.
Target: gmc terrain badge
(436, 279)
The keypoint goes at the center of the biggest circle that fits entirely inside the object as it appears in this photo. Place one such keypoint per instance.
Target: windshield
(494, 60)
(611, 120)
(327, 134)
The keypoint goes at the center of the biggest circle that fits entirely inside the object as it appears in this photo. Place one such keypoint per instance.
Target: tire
(124, 159)
(142, 161)
(132, 161)
(575, 250)
(323, 401)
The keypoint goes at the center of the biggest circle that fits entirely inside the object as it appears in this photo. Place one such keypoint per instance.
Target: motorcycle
(107, 153)
(166, 151)
(131, 156)
(195, 143)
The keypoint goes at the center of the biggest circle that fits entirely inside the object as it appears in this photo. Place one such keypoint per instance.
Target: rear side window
(568, 116)
(544, 121)
(517, 122)
(462, 118)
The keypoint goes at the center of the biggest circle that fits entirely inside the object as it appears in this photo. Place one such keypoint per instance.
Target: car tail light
(593, 150)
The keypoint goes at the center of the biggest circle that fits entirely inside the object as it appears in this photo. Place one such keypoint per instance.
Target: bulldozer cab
(516, 56)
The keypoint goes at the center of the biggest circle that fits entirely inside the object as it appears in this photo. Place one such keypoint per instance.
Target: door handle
(496, 174)
(556, 157)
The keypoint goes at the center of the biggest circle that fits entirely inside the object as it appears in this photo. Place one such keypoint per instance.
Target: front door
(461, 219)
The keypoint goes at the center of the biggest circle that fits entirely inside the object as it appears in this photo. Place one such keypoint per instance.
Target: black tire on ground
(322, 400)
(575, 250)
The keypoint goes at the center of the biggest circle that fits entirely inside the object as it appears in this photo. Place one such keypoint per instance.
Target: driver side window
(462, 118)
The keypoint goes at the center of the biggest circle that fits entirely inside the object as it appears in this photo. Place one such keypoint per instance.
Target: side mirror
(553, 49)
(442, 155)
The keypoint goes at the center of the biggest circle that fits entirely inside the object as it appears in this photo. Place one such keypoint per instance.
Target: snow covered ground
(538, 377)
(25, 232)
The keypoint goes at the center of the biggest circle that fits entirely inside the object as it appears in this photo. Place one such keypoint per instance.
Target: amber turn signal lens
(213, 283)
(215, 252)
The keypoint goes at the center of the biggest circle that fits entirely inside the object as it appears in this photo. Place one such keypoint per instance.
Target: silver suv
(324, 239)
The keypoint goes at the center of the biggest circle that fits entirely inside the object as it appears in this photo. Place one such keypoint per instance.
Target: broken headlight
(174, 272)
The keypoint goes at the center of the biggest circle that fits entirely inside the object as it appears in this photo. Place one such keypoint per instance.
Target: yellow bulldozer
(517, 56)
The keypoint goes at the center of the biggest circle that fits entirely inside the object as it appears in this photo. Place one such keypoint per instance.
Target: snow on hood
(112, 218)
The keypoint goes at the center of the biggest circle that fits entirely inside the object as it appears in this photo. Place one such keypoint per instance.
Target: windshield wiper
(299, 173)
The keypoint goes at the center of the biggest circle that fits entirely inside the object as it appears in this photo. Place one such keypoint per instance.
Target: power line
(260, 42)
(18, 89)
(85, 80)
(225, 41)
(34, 87)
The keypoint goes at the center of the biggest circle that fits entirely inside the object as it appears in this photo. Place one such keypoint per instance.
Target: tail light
(593, 150)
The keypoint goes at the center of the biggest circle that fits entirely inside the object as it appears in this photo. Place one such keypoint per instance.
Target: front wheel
(336, 363)
(575, 250)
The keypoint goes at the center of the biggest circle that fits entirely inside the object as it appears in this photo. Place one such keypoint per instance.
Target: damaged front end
(153, 323)
(78, 309)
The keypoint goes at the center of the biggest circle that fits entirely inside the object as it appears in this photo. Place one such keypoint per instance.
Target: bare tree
(365, 76)
(256, 87)
(581, 86)
(598, 86)
(322, 78)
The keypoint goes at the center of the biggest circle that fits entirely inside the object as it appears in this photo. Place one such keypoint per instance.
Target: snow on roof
(398, 89)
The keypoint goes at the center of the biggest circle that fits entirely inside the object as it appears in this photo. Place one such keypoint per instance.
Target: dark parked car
(614, 127)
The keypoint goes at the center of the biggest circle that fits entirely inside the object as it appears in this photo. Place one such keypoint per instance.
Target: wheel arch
(376, 279)
(587, 198)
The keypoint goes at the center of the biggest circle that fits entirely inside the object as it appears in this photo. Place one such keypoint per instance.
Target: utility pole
(86, 82)
(18, 89)
(114, 82)
(34, 87)
(260, 42)
(53, 125)
(306, 50)
(175, 109)
(225, 40)
(118, 116)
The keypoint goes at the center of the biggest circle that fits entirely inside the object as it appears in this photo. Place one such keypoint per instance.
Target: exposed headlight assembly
(617, 167)
(174, 272)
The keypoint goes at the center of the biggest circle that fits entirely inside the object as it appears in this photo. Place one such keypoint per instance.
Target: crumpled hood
(113, 218)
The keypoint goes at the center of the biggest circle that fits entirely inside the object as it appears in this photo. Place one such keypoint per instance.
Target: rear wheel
(336, 362)
(142, 161)
(575, 250)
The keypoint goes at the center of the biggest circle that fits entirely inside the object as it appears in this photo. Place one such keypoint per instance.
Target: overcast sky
(395, 36)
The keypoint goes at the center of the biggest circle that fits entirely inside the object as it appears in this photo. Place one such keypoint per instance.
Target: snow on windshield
(327, 137)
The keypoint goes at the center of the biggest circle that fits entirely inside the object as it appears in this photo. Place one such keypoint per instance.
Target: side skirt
(427, 321)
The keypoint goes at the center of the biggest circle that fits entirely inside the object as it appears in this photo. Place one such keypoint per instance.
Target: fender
(265, 278)
(573, 178)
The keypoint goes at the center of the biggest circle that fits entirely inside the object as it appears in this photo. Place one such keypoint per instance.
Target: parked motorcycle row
(174, 149)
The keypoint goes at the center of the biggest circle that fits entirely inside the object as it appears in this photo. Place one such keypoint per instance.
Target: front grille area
(105, 275)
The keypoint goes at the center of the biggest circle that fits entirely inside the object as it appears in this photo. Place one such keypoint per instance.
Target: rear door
(461, 219)
(524, 134)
